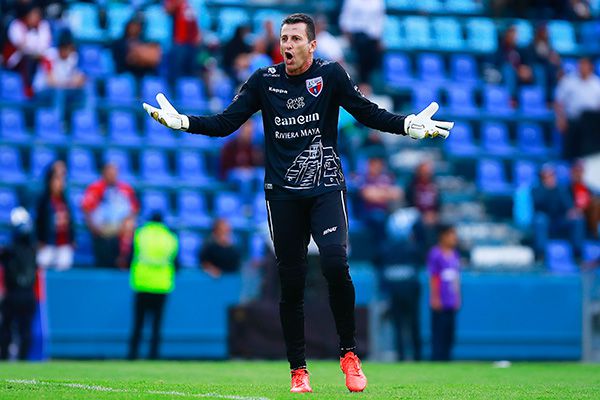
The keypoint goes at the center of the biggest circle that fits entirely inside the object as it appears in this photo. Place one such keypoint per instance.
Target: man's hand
(421, 126)
(167, 114)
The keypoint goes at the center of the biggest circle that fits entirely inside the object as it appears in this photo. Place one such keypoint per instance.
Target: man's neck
(301, 70)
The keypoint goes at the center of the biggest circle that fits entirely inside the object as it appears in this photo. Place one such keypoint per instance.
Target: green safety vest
(153, 267)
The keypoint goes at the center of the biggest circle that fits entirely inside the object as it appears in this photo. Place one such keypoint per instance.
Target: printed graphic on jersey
(313, 165)
(315, 85)
(294, 104)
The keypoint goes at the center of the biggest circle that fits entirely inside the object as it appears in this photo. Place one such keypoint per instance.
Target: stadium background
(519, 307)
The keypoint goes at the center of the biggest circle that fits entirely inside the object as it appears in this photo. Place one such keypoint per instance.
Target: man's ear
(312, 46)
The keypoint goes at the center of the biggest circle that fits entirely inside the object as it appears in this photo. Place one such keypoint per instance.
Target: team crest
(314, 85)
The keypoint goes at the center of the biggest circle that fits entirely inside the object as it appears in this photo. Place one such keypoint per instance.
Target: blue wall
(504, 316)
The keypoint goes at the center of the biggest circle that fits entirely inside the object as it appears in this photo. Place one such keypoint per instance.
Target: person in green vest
(152, 277)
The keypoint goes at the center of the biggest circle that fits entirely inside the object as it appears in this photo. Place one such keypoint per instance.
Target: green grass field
(270, 380)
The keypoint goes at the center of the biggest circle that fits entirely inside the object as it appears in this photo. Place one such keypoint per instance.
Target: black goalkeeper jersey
(300, 119)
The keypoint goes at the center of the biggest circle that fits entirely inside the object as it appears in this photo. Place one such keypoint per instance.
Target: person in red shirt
(240, 152)
(186, 38)
(584, 200)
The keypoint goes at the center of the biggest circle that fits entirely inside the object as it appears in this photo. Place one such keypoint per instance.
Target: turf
(270, 380)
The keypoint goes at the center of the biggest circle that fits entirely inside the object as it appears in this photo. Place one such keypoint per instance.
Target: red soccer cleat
(300, 381)
(356, 381)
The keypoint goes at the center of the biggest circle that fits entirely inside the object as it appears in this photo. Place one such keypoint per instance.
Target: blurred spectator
(329, 46)
(20, 269)
(575, 94)
(186, 39)
(29, 37)
(272, 42)
(363, 22)
(510, 60)
(240, 152)
(555, 214)
(585, 201)
(219, 254)
(443, 264)
(578, 9)
(110, 208)
(235, 54)
(152, 278)
(54, 224)
(259, 57)
(132, 54)
(540, 52)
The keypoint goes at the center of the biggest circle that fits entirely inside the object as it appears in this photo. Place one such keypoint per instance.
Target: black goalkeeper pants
(292, 222)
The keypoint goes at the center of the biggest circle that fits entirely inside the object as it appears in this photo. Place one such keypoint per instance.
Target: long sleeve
(244, 104)
(364, 110)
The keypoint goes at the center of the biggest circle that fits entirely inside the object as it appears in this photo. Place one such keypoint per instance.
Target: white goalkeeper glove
(167, 114)
(421, 126)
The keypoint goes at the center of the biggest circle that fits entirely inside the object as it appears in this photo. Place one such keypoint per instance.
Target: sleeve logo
(314, 85)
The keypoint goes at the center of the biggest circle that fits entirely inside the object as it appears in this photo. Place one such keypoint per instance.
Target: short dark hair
(443, 229)
(299, 18)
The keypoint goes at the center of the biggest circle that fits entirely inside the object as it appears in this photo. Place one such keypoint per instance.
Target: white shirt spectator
(328, 47)
(64, 71)
(577, 95)
(34, 42)
(366, 16)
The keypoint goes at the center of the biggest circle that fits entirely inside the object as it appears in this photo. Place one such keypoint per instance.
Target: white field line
(97, 388)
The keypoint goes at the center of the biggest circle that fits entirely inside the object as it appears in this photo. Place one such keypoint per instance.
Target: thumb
(429, 111)
(165, 105)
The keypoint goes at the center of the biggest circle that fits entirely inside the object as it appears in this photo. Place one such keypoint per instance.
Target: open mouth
(288, 55)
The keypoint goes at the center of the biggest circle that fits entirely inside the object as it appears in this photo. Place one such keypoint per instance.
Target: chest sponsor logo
(276, 90)
(295, 104)
(314, 85)
(299, 120)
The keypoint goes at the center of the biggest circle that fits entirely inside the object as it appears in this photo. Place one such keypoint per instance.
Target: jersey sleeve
(244, 104)
(364, 110)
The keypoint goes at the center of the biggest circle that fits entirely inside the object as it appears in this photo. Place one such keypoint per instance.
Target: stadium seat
(190, 94)
(562, 170)
(229, 19)
(263, 15)
(8, 201)
(192, 210)
(152, 201)
(461, 100)
(159, 26)
(447, 33)
(48, 127)
(82, 166)
(562, 36)
(464, 7)
(11, 87)
(525, 173)
(85, 128)
(481, 35)
(461, 142)
(397, 70)
(122, 160)
(496, 100)
(40, 159)
(530, 139)
(11, 165)
(401, 5)
(90, 56)
(430, 6)
(430, 67)
(532, 101)
(416, 32)
(191, 169)
(13, 126)
(393, 39)
(590, 32)
(559, 257)
(190, 244)
(524, 32)
(227, 205)
(154, 167)
(591, 252)
(463, 69)
(423, 95)
(117, 16)
(495, 139)
(491, 177)
(84, 22)
(569, 65)
(122, 129)
(159, 135)
(260, 208)
(120, 90)
(75, 197)
(84, 255)
(151, 85)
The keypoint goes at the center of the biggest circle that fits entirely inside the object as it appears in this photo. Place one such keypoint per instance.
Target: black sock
(301, 367)
(344, 351)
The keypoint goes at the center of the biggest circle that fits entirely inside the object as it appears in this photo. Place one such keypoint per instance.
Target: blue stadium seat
(530, 139)
(417, 32)
(260, 208)
(461, 142)
(191, 168)
(229, 19)
(229, 206)
(430, 67)
(117, 16)
(11, 165)
(82, 166)
(591, 251)
(159, 26)
(569, 65)
(190, 94)
(90, 56)
(261, 16)
(120, 89)
(481, 35)
(40, 159)
(495, 139)
(48, 127)
(430, 6)
(85, 128)
(559, 257)
(590, 32)
(496, 100)
(423, 95)
(190, 244)
(393, 39)
(461, 100)
(532, 101)
(84, 22)
(11, 87)
(75, 197)
(464, 7)
(122, 160)
(84, 255)
(525, 173)
(151, 85)
(192, 209)
(463, 69)
(152, 201)
(447, 33)
(154, 167)
(562, 169)
(12, 126)
(8, 201)
(562, 36)
(524, 32)
(122, 129)
(159, 135)
(401, 5)
(397, 70)
(491, 177)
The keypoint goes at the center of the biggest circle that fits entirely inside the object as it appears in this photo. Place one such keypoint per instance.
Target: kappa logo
(330, 230)
(314, 85)
(276, 90)
(295, 104)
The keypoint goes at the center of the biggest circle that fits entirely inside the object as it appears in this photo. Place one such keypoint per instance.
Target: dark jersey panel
(300, 118)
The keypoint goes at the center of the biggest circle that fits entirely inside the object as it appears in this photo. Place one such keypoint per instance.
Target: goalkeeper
(305, 188)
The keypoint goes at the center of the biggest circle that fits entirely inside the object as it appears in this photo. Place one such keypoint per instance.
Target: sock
(344, 351)
(301, 367)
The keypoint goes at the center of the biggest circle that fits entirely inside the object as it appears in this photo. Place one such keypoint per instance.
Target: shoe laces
(351, 364)
(298, 376)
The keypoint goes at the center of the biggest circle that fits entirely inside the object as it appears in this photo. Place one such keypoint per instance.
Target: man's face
(296, 49)
(110, 174)
(548, 179)
(585, 68)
